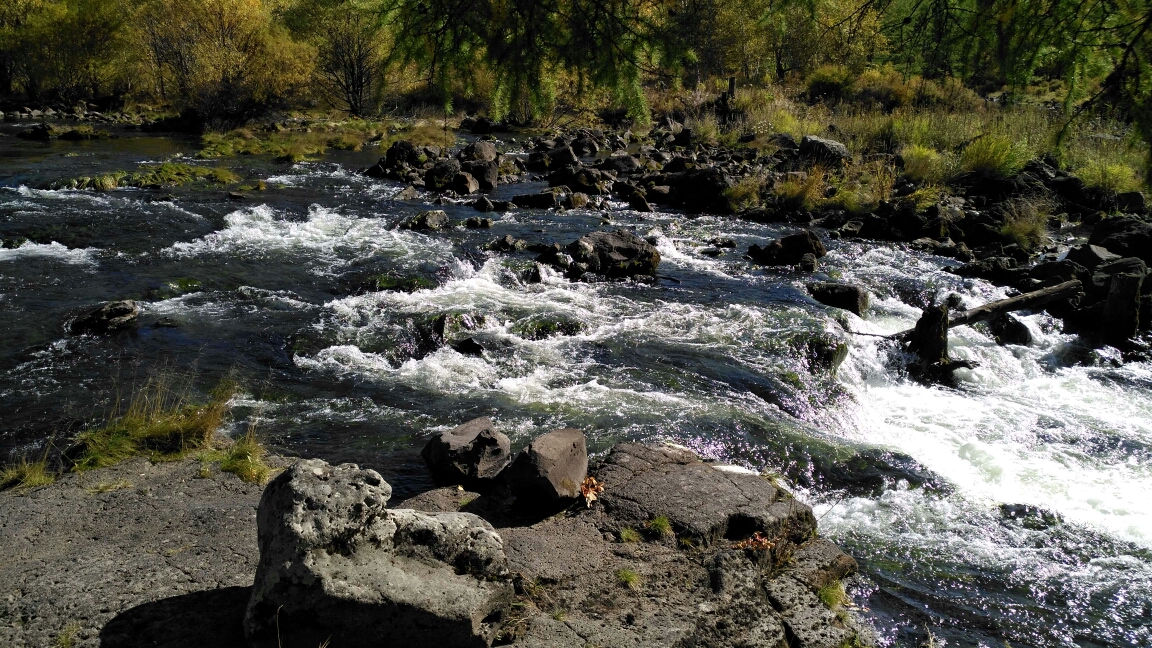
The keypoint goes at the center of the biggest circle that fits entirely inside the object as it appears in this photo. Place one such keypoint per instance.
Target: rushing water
(276, 290)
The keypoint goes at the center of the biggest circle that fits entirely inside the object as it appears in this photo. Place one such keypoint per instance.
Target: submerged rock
(109, 317)
(337, 566)
(472, 451)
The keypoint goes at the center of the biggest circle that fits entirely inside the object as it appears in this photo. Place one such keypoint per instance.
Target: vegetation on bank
(167, 174)
(162, 422)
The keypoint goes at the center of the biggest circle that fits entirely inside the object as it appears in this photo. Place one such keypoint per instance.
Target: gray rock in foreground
(337, 566)
(474, 450)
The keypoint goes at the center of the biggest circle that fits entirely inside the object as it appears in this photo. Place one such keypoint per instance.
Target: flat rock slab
(163, 559)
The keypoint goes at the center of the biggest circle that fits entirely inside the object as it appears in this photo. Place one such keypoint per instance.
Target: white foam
(55, 251)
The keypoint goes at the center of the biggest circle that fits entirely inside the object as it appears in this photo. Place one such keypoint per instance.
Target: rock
(1121, 317)
(701, 190)
(702, 501)
(546, 200)
(487, 174)
(1090, 256)
(838, 295)
(403, 151)
(39, 132)
(483, 204)
(576, 200)
(470, 452)
(464, 184)
(788, 250)
(407, 193)
(442, 174)
(1124, 235)
(1031, 517)
(551, 469)
(337, 566)
(825, 151)
(616, 254)
(428, 220)
(809, 621)
(1008, 329)
(562, 156)
(476, 222)
(620, 163)
(479, 151)
(484, 126)
(109, 317)
(1131, 202)
(639, 203)
(579, 178)
(807, 263)
(507, 244)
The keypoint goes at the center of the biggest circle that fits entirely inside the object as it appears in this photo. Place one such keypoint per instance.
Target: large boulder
(789, 250)
(434, 219)
(701, 190)
(442, 174)
(582, 179)
(470, 452)
(487, 173)
(551, 469)
(403, 151)
(109, 317)
(479, 151)
(824, 151)
(338, 568)
(1091, 256)
(1126, 236)
(616, 254)
(840, 295)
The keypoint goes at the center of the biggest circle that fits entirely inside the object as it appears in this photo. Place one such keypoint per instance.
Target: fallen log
(992, 310)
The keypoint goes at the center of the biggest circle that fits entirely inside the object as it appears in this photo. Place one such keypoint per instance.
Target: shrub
(1026, 221)
(829, 83)
(884, 87)
(993, 155)
(923, 164)
(801, 194)
(1115, 177)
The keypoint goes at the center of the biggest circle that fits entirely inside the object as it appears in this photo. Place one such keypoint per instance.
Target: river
(276, 290)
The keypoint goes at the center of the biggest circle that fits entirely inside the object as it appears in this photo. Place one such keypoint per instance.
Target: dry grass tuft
(801, 193)
(26, 475)
(245, 459)
(629, 578)
(1026, 221)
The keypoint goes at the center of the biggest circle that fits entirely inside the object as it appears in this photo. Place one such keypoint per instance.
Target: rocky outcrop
(1125, 236)
(109, 317)
(614, 254)
(473, 451)
(337, 566)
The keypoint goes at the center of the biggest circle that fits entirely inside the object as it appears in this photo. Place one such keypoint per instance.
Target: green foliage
(993, 155)
(923, 164)
(245, 459)
(833, 595)
(629, 578)
(829, 83)
(160, 421)
(1026, 221)
(744, 194)
(67, 636)
(628, 534)
(26, 475)
(661, 526)
(1113, 177)
(801, 192)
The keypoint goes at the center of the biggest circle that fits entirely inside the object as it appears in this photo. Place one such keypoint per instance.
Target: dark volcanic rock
(788, 250)
(1091, 256)
(486, 173)
(824, 151)
(550, 469)
(701, 190)
(109, 317)
(479, 151)
(838, 295)
(442, 175)
(472, 451)
(1125, 236)
(616, 254)
(336, 565)
(1120, 319)
(546, 200)
(434, 219)
(1007, 329)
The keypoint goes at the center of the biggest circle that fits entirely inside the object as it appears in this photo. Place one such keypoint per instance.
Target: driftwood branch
(992, 310)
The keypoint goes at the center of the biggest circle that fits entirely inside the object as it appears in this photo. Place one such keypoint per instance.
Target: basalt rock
(615, 254)
(824, 151)
(486, 173)
(545, 200)
(429, 220)
(1125, 235)
(788, 250)
(473, 451)
(109, 317)
(442, 175)
(550, 470)
(838, 295)
(337, 566)
(479, 151)
(582, 179)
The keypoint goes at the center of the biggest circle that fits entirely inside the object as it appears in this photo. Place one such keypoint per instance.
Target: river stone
(442, 174)
(839, 295)
(1121, 317)
(337, 567)
(702, 501)
(464, 184)
(789, 250)
(1091, 256)
(479, 151)
(428, 220)
(487, 173)
(109, 317)
(823, 150)
(474, 450)
(616, 254)
(551, 468)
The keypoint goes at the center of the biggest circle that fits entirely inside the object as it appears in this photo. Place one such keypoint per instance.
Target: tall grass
(1026, 221)
(801, 193)
(26, 475)
(161, 421)
(993, 155)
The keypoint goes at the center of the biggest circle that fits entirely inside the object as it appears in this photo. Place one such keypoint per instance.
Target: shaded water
(277, 289)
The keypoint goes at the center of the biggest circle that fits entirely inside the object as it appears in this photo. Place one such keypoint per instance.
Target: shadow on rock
(208, 618)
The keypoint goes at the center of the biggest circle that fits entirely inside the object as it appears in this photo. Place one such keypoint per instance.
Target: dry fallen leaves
(758, 542)
(589, 489)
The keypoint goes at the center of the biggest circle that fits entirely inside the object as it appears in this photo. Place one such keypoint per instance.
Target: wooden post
(731, 87)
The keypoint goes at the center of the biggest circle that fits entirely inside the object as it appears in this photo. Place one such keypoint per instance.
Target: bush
(923, 164)
(1115, 177)
(829, 83)
(993, 155)
(743, 194)
(1026, 221)
(884, 87)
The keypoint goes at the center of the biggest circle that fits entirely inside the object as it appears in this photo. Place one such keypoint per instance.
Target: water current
(277, 290)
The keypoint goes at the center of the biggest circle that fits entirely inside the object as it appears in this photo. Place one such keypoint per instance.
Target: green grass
(26, 475)
(245, 459)
(661, 526)
(629, 578)
(67, 636)
(801, 194)
(923, 164)
(160, 422)
(1026, 221)
(628, 534)
(1113, 177)
(744, 194)
(993, 155)
(108, 487)
(833, 595)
